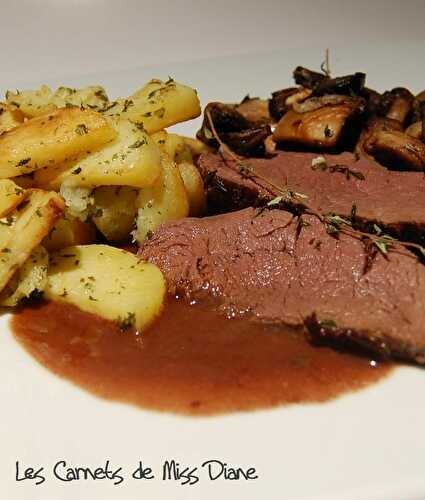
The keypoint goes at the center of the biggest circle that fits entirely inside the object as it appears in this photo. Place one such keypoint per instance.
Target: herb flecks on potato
(107, 281)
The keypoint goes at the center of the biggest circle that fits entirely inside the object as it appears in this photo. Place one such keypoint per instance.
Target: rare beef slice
(276, 267)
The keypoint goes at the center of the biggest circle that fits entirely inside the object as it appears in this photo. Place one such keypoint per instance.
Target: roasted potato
(114, 211)
(107, 281)
(9, 118)
(31, 103)
(25, 229)
(30, 278)
(174, 145)
(10, 196)
(131, 160)
(194, 186)
(157, 105)
(51, 140)
(69, 231)
(165, 200)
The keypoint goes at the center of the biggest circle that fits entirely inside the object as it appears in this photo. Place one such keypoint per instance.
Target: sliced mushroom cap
(374, 125)
(225, 117)
(255, 110)
(396, 150)
(320, 122)
(241, 135)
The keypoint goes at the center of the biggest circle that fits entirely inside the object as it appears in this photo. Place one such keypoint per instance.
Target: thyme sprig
(325, 67)
(320, 163)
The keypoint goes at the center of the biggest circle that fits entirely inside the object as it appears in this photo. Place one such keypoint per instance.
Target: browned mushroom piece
(255, 110)
(308, 78)
(399, 104)
(320, 123)
(373, 99)
(249, 142)
(415, 130)
(282, 100)
(277, 103)
(241, 135)
(396, 150)
(384, 138)
(374, 125)
(225, 119)
(421, 96)
(350, 85)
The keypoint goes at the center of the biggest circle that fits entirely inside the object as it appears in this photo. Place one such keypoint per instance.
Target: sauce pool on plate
(192, 360)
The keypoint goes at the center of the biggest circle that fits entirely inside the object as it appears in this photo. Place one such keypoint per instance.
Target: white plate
(366, 445)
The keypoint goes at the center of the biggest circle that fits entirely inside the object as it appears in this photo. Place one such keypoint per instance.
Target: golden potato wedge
(10, 196)
(52, 139)
(25, 230)
(165, 200)
(158, 105)
(9, 118)
(174, 145)
(131, 160)
(115, 211)
(91, 97)
(30, 278)
(32, 103)
(107, 281)
(194, 188)
(69, 231)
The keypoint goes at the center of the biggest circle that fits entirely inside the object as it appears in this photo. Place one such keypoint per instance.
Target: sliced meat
(276, 267)
(393, 200)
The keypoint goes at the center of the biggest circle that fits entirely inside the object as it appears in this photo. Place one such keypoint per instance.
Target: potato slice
(31, 102)
(51, 140)
(115, 211)
(194, 186)
(69, 231)
(174, 145)
(158, 105)
(9, 118)
(165, 200)
(109, 282)
(38, 102)
(10, 196)
(30, 278)
(25, 230)
(132, 160)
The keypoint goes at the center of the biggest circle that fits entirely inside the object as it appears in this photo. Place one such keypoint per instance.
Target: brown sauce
(192, 360)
